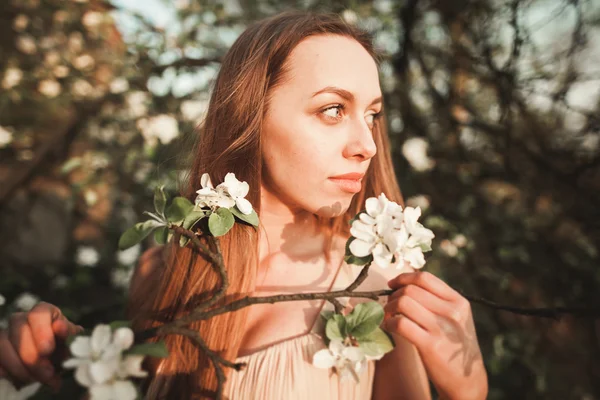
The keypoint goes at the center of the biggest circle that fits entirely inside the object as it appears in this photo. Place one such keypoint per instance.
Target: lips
(350, 183)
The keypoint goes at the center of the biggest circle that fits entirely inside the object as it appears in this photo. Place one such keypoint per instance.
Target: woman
(296, 111)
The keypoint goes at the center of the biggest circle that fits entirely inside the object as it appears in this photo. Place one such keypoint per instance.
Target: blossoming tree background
(492, 108)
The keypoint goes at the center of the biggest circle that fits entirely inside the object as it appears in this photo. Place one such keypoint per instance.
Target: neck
(294, 232)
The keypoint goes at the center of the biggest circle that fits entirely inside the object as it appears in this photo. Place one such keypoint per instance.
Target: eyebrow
(344, 94)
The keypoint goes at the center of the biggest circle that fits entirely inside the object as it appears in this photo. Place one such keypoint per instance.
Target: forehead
(331, 60)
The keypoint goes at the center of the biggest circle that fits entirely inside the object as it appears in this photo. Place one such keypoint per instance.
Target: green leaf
(161, 235)
(119, 324)
(251, 218)
(179, 209)
(70, 165)
(336, 327)
(220, 222)
(192, 219)
(160, 200)
(376, 343)
(137, 233)
(365, 318)
(150, 349)
(326, 314)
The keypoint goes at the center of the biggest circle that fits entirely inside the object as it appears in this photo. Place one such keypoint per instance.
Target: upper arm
(400, 374)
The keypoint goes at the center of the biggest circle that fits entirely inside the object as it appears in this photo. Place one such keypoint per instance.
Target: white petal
(123, 338)
(336, 347)
(411, 215)
(395, 210)
(205, 181)
(372, 206)
(81, 347)
(124, 390)
(7, 390)
(103, 371)
(206, 192)
(240, 190)
(83, 377)
(415, 257)
(28, 391)
(363, 232)
(132, 366)
(102, 392)
(353, 354)
(382, 256)
(244, 206)
(384, 225)
(323, 359)
(361, 248)
(75, 362)
(101, 337)
(367, 219)
(225, 201)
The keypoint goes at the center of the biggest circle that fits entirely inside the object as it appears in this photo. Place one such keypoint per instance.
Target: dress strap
(312, 327)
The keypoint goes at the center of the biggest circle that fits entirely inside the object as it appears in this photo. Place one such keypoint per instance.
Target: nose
(360, 143)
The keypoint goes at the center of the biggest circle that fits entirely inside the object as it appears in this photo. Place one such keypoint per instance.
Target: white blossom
(121, 278)
(84, 62)
(415, 152)
(119, 85)
(82, 88)
(49, 88)
(92, 19)
(26, 301)
(237, 190)
(26, 44)
(192, 110)
(136, 103)
(2, 300)
(100, 365)
(12, 77)
(60, 71)
(161, 128)
(347, 361)
(87, 256)
(349, 16)
(129, 256)
(9, 392)
(52, 58)
(6, 137)
(208, 196)
(75, 42)
(391, 235)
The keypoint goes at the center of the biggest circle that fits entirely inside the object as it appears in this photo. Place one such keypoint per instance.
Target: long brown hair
(230, 141)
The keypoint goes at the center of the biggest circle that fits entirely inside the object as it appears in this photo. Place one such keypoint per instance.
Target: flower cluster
(227, 194)
(101, 365)
(391, 235)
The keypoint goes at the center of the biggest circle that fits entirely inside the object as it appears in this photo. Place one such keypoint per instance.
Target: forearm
(400, 374)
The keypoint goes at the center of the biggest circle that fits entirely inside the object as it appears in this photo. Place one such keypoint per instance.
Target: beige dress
(284, 371)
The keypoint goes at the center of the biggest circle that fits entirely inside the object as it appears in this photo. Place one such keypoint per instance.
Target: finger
(10, 362)
(22, 341)
(428, 282)
(403, 326)
(40, 320)
(427, 299)
(413, 310)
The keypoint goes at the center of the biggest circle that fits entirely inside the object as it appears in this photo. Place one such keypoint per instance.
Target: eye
(330, 112)
(374, 117)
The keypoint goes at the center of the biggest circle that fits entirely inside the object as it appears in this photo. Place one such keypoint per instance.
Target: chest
(268, 324)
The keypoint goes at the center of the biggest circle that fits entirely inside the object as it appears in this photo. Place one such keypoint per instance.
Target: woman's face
(319, 125)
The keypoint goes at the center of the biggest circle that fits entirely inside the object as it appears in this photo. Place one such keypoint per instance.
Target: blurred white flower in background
(49, 88)
(9, 392)
(84, 62)
(193, 110)
(87, 256)
(420, 201)
(12, 77)
(26, 301)
(26, 44)
(119, 85)
(121, 277)
(415, 152)
(162, 128)
(52, 58)
(82, 88)
(6, 137)
(136, 103)
(91, 19)
(129, 256)
(2, 300)
(60, 71)
(20, 22)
